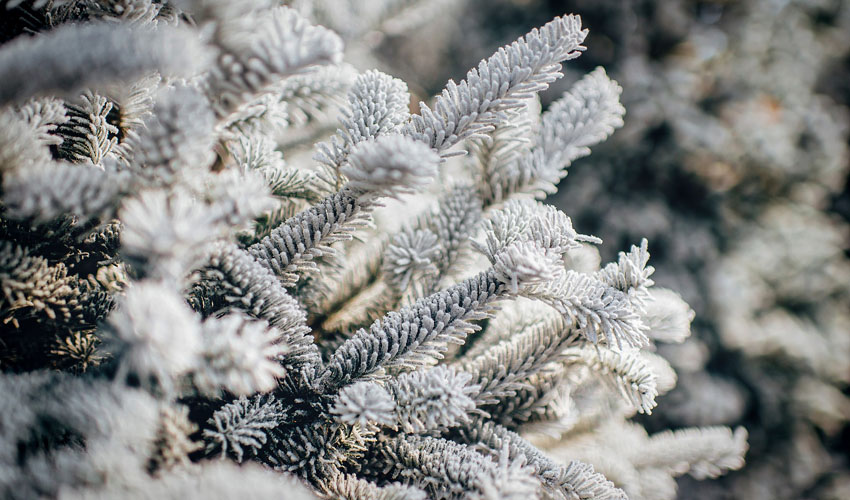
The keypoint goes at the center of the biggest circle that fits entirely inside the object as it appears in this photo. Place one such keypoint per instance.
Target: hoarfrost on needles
(201, 290)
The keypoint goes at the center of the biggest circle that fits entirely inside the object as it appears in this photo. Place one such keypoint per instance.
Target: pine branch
(445, 469)
(31, 286)
(521, 221)
(422, 331)
(94, 54)
(583, 117)
(410, 257)
(131, 106)
(243, 426)
(44, 115)
(594, 308)
(630, 274)
(350, 487)
(574, 481)
(50, 190)
(133, 12)
(377, 105)
(173, 445)
(21, 144)
(414, 334)
(87, 135)
(177, 138)
(497, 159)
(313, 97)
(258, 154)
(164, 233)
(365, 404)
(667, 317)
(332, 292)
(512, 319)
(290, 248)
(414, 261)
(457, 217)
(282, 44)
(542, 403)
(517, 71)
(504, 368)
(702, 452)
(625, 370)
(245, 284)
(156, 336)
(387, 166)
(314, 449)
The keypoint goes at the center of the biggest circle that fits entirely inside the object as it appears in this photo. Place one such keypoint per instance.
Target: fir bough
(187, 327)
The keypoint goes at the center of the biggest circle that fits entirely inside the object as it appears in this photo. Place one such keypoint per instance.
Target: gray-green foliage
(358, 346)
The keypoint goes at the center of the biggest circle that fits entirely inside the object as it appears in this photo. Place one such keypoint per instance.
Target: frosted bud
(409, 252)
(553, 229)
(239, 355)
(389, 165)
(525, 263)
(157, 334)
(364, 403)
(433, 399)
(667, 316)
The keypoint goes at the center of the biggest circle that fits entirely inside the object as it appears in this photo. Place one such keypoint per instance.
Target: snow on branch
(95, 54)
(500, 83)
(283, 43)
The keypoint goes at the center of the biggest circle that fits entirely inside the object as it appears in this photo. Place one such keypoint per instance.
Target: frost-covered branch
(574, 481)
(245, 284)
(384, 167)
(243, 425)
(283, 44)
(504, 368)
(517, 71)
(377, 105)
(451, 470)
(95, 54)
(627, 371)
(518, 160)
